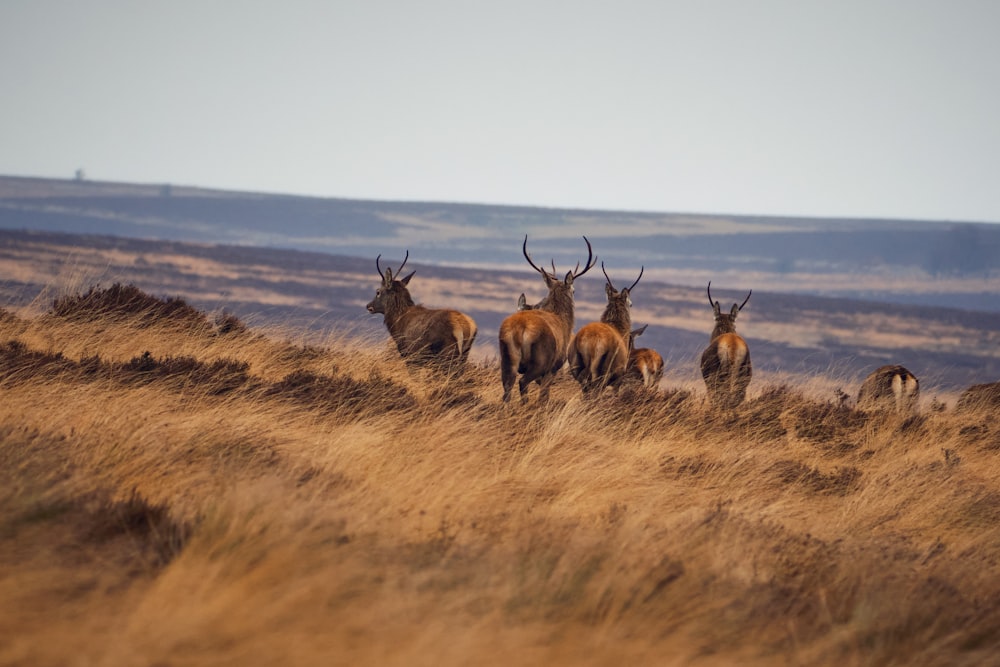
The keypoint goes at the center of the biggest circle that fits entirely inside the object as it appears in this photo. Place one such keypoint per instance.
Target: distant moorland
(316, 293)
(952, 264)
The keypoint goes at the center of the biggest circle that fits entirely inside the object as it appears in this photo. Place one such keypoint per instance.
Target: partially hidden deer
(890, 388)
(645, 365)
(598, 353)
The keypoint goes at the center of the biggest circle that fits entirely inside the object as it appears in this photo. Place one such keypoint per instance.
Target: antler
(641, 269)
(745, 301)
(608, 278)
(712, 303)
(400, 269)
(524, 249)
(378, 265)
(591, 261)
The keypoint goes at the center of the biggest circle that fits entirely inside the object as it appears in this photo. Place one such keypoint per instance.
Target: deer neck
(723, 326)
(560, 303)
(617, 315)
(396, 306)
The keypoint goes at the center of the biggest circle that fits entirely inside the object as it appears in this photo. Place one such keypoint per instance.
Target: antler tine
(745, 301)
(606, 277)
(524, 248)
(591, 261)
(710, 302)
(641, 269)
(400, 269)
(379, 267)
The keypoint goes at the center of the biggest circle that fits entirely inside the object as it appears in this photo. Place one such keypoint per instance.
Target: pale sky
(856, 108)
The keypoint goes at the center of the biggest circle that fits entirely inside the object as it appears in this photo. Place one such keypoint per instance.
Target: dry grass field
(178, 491)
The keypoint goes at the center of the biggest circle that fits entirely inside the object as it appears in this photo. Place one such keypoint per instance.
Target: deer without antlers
(533, 340)
(439, 338)
(598, 353)
(645, 365)
(889, 389)
(725, 363)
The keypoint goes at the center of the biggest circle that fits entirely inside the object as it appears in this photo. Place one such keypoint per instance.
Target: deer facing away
(533, 341)
(645, 365)
(598, 353)
(725, 363)
(889, 389)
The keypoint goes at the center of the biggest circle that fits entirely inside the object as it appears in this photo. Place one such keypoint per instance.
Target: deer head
(393, 292)
(725, 323)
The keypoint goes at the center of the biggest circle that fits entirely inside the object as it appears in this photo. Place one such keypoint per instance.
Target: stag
(533, 340)
(645, 365)
(435, 337)
(725, 363)
(598, 353)
(889, 389)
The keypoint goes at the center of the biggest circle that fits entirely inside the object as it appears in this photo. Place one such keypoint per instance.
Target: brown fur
(725, 363)
(889, 389)
(645, 365)
(440, 338)
(598, 353)
(534, 340)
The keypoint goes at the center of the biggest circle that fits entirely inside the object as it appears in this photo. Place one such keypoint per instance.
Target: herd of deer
(536, 341)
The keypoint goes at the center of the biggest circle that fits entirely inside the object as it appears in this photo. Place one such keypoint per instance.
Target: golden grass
(237, 498)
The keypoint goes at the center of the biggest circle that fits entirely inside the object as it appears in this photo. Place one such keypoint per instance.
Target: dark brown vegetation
(176, 494)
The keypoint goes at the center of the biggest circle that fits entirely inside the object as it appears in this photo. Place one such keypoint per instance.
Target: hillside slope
(790, 335)
(176, 490)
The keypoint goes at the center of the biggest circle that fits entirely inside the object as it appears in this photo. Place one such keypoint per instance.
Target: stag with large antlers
(440, 338)
(533, 341)
(598, 353)
(725, 363)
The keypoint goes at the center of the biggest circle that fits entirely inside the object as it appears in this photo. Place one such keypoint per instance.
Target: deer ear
(717, 308)
(569, 278)
(387, 278)
(406, 280)
(609, 290)
(734, 312)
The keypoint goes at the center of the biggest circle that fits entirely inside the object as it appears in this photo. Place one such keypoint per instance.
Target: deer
(533, 341)
(725, 363)
(889, 389)
(645, 365)
(598, 353)
(434, 337)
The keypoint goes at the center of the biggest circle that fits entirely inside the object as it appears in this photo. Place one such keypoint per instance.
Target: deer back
(598, 355)
(891, 388)
(432, 331)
